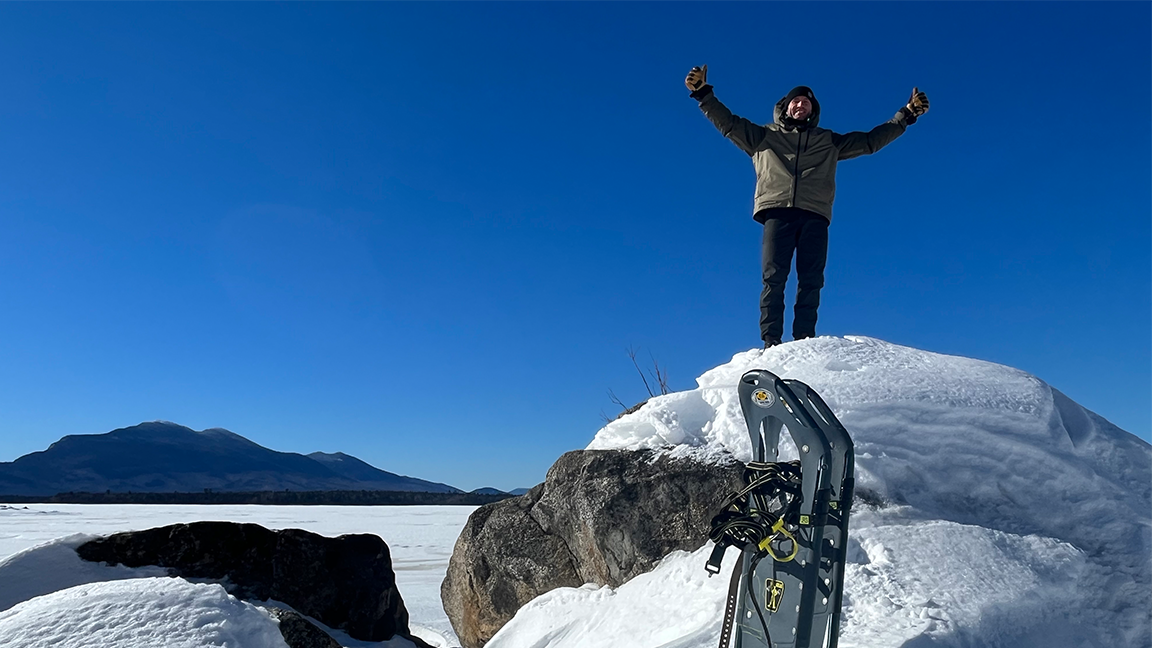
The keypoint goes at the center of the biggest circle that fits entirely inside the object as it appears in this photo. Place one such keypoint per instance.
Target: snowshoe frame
(795, 602)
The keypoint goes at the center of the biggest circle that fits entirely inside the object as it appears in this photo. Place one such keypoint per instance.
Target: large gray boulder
(601, 516)
(345, 582)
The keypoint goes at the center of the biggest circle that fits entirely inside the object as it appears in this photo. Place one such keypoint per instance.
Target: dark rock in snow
(601, 516)
(345, 582)
(299, 632)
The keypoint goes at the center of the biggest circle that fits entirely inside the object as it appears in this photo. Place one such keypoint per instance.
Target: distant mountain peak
(330, 456)
(488, 491)
(162, 456)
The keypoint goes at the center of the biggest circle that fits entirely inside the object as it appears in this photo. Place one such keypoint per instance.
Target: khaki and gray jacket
(795, 166)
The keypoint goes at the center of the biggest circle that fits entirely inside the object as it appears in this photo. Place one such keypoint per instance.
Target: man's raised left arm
(859, 143)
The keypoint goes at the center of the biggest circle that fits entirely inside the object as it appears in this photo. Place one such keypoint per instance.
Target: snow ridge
(1006, 513)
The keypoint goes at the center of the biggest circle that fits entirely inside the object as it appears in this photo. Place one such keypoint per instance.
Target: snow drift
(142, 613)
(996, 511)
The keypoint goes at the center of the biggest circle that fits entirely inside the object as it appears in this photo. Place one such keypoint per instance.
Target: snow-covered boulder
(345, 582)
(993, 510)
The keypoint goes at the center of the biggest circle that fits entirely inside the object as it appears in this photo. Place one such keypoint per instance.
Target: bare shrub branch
(659, 376)
(632, 355)
(616, 399)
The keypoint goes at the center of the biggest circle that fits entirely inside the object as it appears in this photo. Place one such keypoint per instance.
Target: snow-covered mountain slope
(1000, 512)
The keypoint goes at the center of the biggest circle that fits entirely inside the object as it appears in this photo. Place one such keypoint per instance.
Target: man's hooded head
(798, 108)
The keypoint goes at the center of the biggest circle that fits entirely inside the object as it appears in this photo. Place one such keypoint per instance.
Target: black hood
(778, 114)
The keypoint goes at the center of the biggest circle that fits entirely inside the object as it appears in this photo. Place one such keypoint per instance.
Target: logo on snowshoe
(763, 398)
(773, 593)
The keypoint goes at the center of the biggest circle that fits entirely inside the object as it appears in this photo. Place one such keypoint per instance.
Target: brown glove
(917, 103)
(696, 78)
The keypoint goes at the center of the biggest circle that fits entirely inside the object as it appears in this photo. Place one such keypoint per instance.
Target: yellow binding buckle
(777, 531)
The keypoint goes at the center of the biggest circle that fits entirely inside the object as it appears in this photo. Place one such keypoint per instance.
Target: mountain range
(160, 457)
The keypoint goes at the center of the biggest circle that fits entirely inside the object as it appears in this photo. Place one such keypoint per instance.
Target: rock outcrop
(345, 582)
(601, 516)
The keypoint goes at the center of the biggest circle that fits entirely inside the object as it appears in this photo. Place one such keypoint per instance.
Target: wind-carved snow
(140, 613)
(1007, 514)
(961, 584)
(848, 373)
(55, 566)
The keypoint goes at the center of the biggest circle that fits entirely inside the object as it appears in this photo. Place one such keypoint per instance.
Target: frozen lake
(420, 537)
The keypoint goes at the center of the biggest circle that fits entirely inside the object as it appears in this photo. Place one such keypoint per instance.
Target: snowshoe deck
(792, 525)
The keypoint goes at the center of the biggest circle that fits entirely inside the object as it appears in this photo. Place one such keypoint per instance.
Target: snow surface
(55, 566)
(1004, 513)
(141, 613)
(995, 512)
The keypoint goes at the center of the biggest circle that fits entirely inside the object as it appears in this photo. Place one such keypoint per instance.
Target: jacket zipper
(796, 171)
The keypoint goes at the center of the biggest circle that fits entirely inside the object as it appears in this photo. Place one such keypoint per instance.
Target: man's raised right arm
(742, 132)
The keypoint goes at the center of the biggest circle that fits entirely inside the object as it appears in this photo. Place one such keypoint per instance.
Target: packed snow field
(998, 513)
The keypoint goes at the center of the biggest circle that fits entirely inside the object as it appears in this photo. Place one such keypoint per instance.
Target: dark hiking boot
(771, 342)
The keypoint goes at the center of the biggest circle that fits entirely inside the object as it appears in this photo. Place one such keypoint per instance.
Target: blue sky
(426, 233)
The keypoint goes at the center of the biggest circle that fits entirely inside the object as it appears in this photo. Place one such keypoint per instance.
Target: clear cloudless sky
(426, 234)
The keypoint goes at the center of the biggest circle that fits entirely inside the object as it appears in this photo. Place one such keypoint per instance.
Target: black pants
(806, 233)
